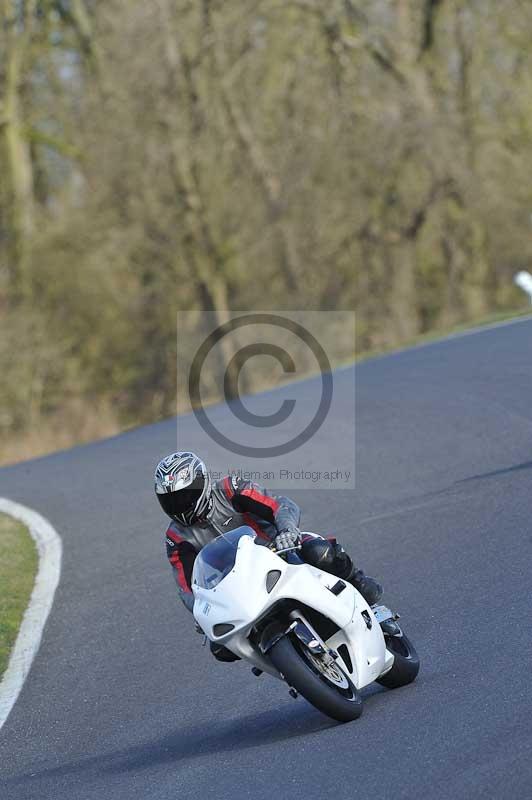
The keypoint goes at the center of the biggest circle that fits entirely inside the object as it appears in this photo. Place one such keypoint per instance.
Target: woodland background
(245, 154)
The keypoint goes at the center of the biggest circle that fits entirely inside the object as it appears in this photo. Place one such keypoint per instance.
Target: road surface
(122, 702)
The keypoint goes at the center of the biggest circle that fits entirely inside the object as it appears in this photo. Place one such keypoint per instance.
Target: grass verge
(18, 565)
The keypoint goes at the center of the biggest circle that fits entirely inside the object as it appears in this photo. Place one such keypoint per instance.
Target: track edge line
(49, 548)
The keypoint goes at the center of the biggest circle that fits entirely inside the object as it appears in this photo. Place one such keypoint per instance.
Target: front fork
(302, 630)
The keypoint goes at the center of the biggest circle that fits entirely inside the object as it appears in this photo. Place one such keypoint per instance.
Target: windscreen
(217, 559)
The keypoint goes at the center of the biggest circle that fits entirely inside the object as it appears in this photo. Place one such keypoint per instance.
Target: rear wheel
(318, 678)
(405, 665)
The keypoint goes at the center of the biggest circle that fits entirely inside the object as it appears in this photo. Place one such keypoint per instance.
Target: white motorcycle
(298, 623)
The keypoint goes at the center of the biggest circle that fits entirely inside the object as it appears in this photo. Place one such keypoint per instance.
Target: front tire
(334, 694)
(405, 665)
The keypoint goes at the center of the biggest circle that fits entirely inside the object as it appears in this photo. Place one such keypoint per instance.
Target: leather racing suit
(235, 502)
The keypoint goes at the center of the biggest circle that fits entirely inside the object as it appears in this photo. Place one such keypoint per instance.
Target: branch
(429, 19)
(53, 142)
(411, 230)
(79, 18)
(376, 49)
(385, 62)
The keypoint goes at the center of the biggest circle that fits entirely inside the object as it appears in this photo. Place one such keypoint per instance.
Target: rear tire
(406, 662)
(299, 669)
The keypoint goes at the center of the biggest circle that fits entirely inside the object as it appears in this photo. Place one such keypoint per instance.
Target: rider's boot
(370, 589)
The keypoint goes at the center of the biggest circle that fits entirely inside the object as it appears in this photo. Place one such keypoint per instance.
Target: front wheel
(321, 681)
(405, 662)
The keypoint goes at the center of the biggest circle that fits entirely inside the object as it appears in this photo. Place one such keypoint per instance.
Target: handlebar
(285, 550)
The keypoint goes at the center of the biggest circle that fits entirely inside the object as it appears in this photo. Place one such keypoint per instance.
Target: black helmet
(183, 487)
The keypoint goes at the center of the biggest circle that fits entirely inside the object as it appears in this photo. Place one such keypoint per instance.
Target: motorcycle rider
(200, 510)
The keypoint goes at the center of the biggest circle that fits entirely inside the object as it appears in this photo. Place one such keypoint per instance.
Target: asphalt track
(123, 702)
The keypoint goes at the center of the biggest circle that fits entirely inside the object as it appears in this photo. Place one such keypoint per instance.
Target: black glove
(290, 537)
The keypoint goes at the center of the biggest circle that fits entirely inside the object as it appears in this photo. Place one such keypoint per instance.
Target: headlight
(271, 579)
(222, 629)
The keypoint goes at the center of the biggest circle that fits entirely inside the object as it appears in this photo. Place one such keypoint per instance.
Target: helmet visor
(181, 504)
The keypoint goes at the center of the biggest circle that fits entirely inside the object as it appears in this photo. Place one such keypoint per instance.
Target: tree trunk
(201, 251)
(403, 299)
(15, 157)
(267, 180)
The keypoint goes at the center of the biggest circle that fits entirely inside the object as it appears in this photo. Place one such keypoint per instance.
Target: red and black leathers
(235, 502)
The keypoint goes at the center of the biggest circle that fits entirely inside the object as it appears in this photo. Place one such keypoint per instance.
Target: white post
(524, 281)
